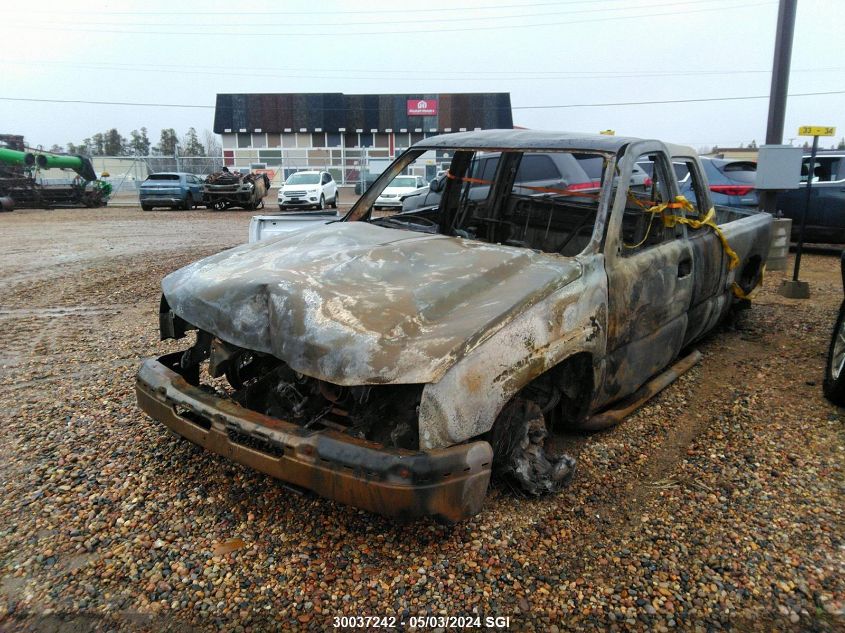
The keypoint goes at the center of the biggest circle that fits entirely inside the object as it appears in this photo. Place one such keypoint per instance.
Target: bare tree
(212, 144)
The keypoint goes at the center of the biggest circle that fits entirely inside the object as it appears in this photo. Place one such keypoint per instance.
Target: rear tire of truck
(834, 371)
(334, 202)
(146, 207)
(187, 204)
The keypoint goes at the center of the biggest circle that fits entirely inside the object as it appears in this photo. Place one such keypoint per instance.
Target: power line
(414, 76)
(355, 12)
(291, 33)
(528, 107)
(115, 103)
(630, 103)
(393, 23)
(344, 74)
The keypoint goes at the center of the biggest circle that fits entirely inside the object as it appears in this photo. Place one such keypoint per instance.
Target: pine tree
(191, 145)
(167, 142)
(97, 144)
(139, 142)
(113, 143)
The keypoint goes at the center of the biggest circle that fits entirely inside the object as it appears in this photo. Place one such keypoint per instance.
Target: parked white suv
(308, 189)
(395, 192)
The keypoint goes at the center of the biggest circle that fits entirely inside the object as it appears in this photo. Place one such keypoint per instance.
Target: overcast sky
(545, 53)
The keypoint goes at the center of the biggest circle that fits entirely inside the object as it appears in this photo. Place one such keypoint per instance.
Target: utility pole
(780, 85)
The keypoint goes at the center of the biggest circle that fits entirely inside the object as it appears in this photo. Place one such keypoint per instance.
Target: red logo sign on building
(422, 107)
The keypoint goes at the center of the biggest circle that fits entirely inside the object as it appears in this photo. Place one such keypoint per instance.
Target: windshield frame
(362, 210)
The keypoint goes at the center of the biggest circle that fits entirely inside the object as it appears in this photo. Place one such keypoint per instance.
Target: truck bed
(262, 227)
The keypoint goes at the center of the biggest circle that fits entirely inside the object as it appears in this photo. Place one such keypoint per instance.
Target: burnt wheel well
(563, 392)
(750, 273)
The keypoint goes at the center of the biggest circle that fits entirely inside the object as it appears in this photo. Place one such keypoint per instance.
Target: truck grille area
(260, 444)
(386, 414)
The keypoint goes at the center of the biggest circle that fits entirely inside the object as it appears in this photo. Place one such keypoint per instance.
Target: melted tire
(519, 448)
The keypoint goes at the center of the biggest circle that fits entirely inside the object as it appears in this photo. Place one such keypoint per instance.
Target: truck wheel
(334, 202)
(186, 206)
(322, 204)
(518, 438)
(834, 373)
(146, 207)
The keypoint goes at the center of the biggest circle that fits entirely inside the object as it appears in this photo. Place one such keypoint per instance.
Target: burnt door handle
(684, 268)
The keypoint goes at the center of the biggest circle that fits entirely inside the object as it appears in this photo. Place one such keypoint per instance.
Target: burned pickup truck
(395, 363)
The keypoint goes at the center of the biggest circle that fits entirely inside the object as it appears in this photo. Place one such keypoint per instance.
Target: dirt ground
(717, 506)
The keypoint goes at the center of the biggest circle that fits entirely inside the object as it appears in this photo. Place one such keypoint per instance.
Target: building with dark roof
(342, 133)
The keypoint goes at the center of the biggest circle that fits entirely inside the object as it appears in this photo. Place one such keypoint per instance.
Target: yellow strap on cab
(709, 219)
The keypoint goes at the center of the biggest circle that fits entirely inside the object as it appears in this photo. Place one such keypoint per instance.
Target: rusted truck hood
(353, 303)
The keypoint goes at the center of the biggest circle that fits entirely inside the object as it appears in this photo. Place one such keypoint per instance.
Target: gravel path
(719, 505)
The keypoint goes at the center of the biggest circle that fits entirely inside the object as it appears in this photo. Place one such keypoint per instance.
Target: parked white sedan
(308, 189)
(400, 187)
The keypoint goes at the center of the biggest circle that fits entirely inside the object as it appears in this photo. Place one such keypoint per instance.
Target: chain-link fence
(359, 168)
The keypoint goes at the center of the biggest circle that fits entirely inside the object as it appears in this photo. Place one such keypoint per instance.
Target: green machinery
(22, 185)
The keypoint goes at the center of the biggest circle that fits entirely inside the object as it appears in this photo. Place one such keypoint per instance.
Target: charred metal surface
(225, 189)
(346, 302)
(465, 402)
(365, 361)
(612, 417)
(450, 483)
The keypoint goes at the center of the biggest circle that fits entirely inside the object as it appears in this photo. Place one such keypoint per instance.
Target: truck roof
(537, 140)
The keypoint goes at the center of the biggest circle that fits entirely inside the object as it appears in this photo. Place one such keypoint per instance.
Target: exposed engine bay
(386, 414)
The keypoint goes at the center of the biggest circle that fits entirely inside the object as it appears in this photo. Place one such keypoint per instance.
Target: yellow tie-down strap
(709, 220)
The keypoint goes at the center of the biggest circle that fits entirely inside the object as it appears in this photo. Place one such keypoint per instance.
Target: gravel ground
(719, 505)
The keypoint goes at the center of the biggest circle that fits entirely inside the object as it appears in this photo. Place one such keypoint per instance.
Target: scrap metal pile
(22, 183)
(225, 189)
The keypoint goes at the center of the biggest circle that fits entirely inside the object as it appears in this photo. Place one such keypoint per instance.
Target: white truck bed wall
(262, 227)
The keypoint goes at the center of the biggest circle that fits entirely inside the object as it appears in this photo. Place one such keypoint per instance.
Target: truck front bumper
(448, 483)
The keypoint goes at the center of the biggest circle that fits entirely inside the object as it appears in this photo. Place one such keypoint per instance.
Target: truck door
(709, 298)
(649, 274)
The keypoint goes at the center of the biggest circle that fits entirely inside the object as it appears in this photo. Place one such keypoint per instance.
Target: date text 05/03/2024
(421, 622)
